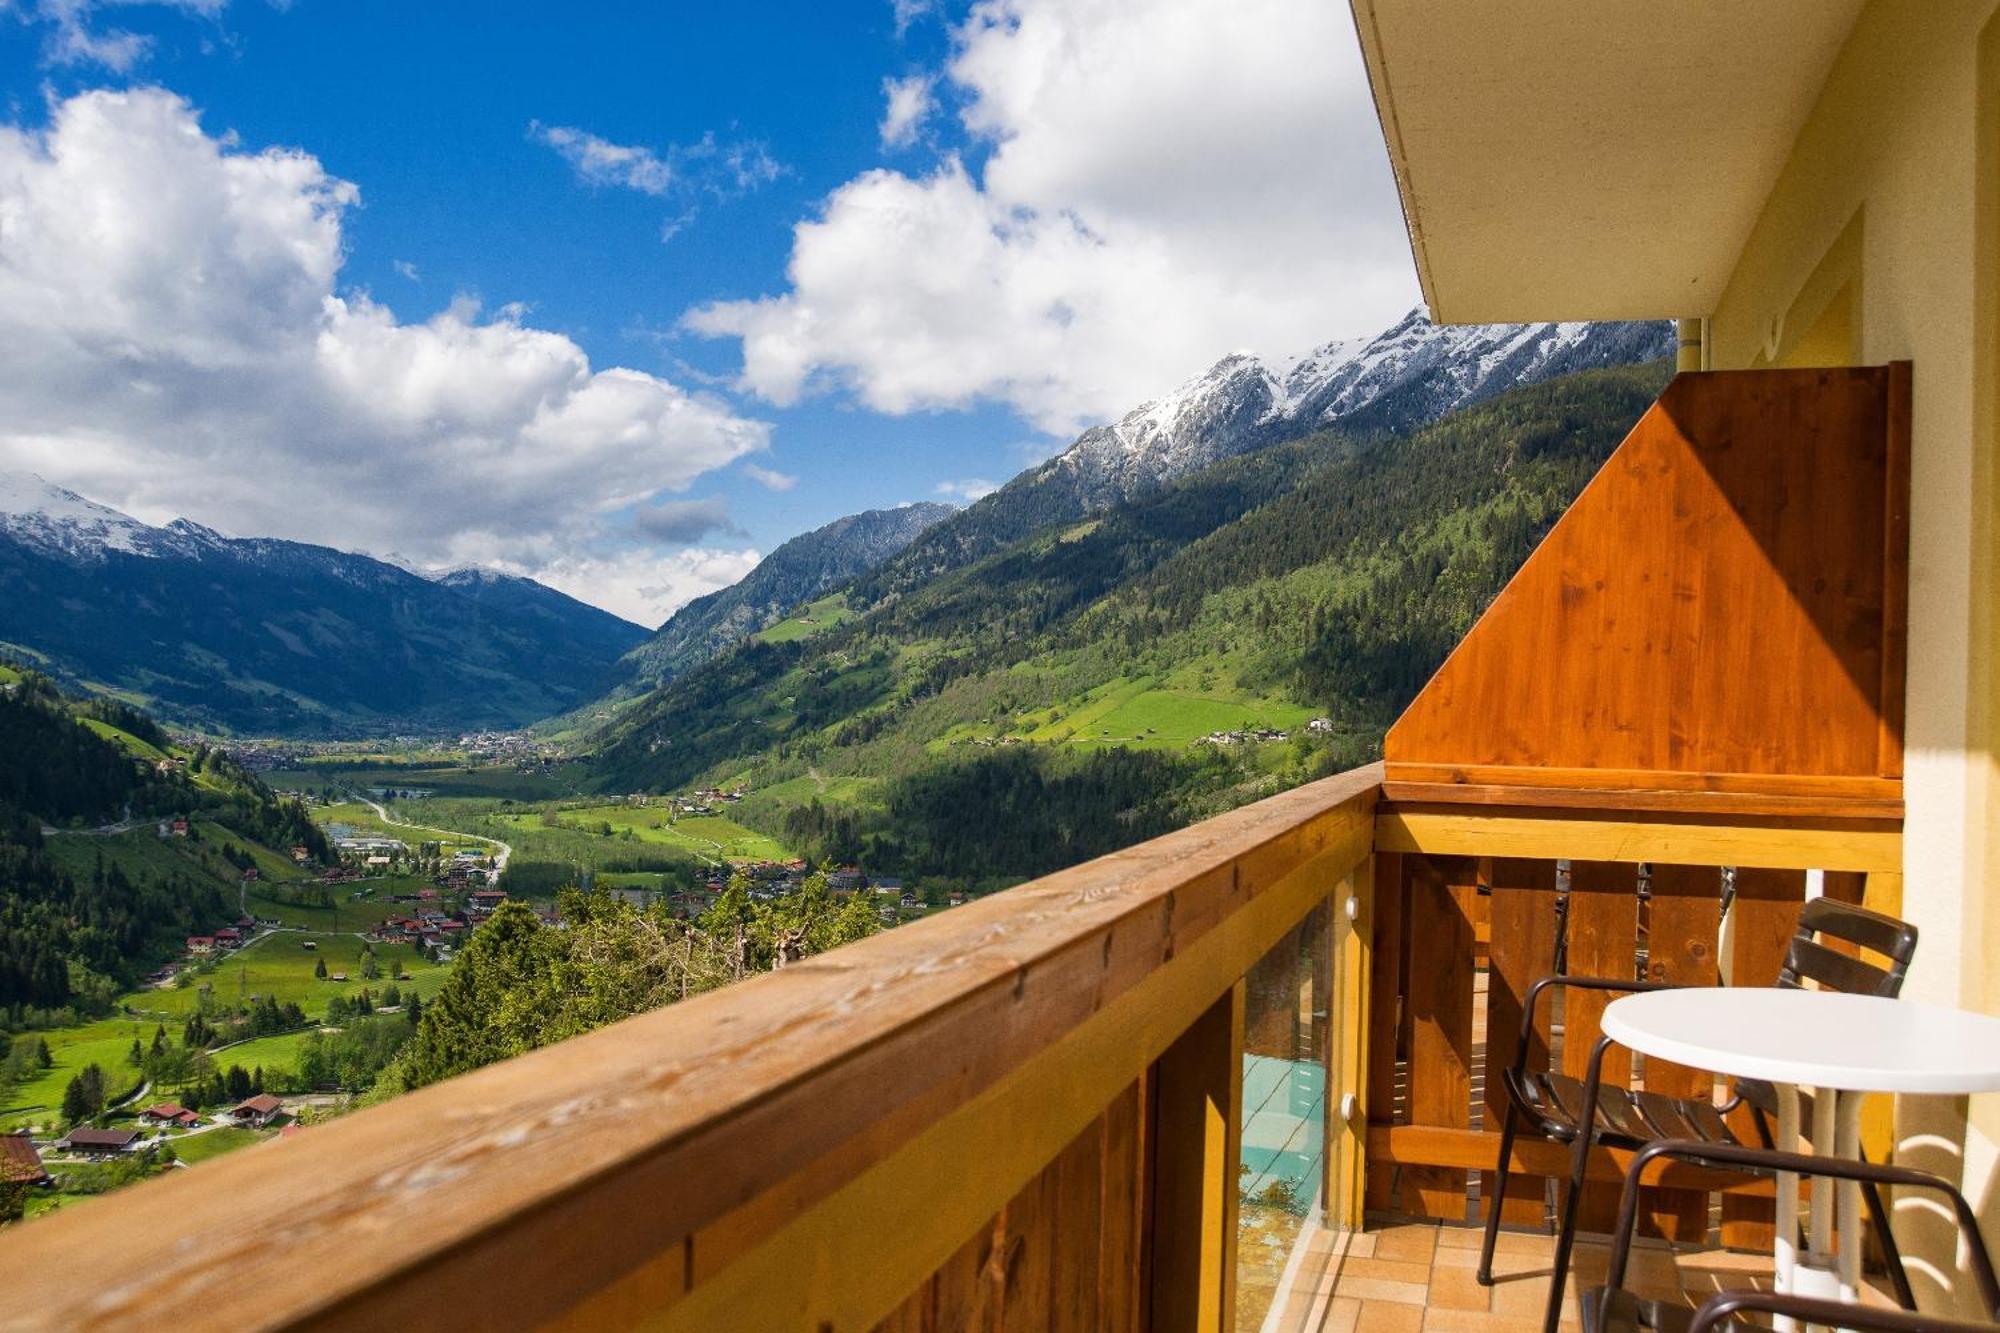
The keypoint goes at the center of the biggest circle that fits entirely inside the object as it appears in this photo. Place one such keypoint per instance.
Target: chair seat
(1624, 1119)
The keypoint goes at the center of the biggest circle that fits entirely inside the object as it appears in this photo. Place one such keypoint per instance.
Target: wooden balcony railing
(1024, 1107)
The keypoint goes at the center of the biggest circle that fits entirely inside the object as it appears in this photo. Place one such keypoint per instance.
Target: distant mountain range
(804, 568)
(263, 636)
(1407, 376)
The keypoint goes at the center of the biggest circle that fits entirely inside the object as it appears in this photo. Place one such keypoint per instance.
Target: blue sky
(1073, 205)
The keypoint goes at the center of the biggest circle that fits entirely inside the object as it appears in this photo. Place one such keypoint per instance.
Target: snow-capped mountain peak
(38, 513)
(1411, 373)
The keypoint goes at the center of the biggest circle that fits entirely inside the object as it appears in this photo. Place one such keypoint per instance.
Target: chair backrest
(1808, 958)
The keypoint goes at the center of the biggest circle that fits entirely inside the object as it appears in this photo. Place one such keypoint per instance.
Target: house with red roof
(257, 1112)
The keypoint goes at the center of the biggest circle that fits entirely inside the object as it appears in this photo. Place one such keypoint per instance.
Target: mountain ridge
(801, 569)
(268, 635)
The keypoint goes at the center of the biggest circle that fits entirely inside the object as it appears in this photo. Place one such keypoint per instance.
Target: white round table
(1841, 1046)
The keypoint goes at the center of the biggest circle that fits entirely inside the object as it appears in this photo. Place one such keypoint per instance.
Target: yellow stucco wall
(1880, 242)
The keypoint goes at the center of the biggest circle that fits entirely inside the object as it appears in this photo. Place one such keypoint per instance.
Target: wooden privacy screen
(1721, 610)
(1435, 1098)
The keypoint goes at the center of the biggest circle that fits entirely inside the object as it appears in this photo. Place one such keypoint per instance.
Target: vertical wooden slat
(1681, 947)
(1765, 913)
(1122, 1208)
(1076, 1232)
(1385, 1008)
(1196, 1144)
(1442, 890)
(1603, 942)
(1523, 950)
(1351, 1052)
(964, 1292)
(1027, 1259)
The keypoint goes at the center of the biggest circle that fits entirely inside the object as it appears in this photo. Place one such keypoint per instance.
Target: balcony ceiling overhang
(1576, 159)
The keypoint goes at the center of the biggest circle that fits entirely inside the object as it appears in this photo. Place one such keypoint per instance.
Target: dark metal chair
(1613, 1309)
(1552, 1105)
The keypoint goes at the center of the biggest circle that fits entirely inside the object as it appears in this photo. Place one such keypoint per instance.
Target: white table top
(1820, 1039)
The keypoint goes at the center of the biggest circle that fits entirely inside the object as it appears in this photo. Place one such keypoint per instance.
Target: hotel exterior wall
(1877, 243)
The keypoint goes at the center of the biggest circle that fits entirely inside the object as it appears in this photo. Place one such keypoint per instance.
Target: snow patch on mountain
(43, 515)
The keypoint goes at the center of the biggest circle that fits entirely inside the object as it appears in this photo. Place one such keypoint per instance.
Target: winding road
(382, 813)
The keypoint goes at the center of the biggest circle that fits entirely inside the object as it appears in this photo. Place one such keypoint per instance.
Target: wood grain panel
(1522, 952)
(1441, 892)
(1765, 914)
(1603, 942)
(1684, 925)
(1717, 601)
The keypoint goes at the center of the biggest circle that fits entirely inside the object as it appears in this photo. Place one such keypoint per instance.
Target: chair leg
(1892, 1254)
(1485, 1273)
(1579, 1164)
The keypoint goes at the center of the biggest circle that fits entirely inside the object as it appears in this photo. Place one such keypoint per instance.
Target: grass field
(814, 618)
(1141, 714)
(130, 743)
(197, 1148)
(357, 904)
(276, 965)
(704, 835)
(103, 1043)
(264, 1053)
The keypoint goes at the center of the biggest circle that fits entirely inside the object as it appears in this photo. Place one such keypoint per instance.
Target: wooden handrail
(754, 1144)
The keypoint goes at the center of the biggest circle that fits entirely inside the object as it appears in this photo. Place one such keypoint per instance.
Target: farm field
(197, 1148)
(280, 1052)
(1143, 715)
(355, 904)
(278, 966)
(704, 835)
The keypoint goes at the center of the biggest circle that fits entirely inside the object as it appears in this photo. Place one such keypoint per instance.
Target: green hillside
(1321, 579)
(91, 895)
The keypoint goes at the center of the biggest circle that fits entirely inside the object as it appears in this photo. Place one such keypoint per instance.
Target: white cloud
(408, 270)
(178, 345)
(642, 586)
(705, 169)
(1168, 180)
(908, 12)
(598, 161)
(770, 478)
(908, 104)
(967, 490)
(72, 35)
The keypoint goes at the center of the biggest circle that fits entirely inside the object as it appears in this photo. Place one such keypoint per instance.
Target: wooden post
(1348, 1055)
(1197, 1143)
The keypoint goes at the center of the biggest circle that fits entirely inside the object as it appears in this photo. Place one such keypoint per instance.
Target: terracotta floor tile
(1388, 1269)
(1342, 1314)
(1457, 1289)
(1376, 1290)
(1385, 1317)
(1411, 1243)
